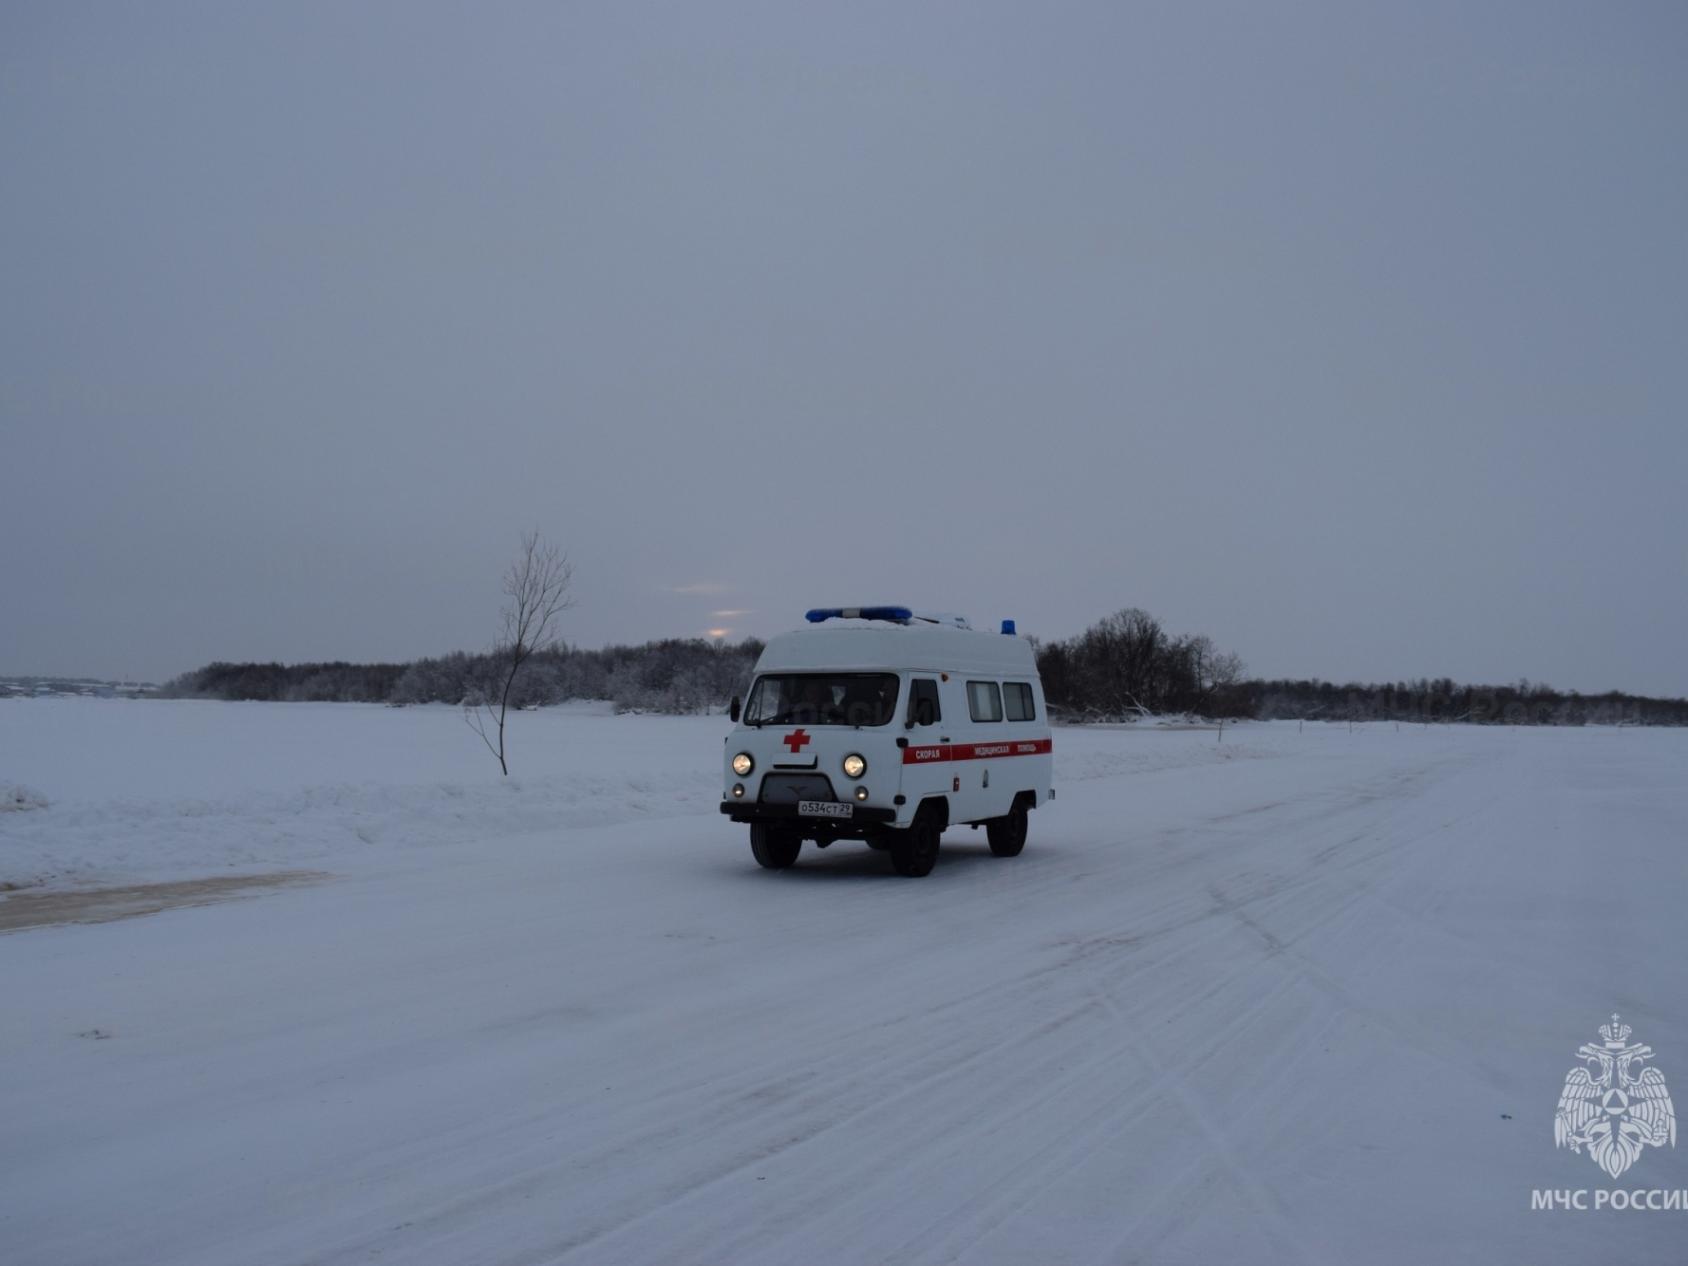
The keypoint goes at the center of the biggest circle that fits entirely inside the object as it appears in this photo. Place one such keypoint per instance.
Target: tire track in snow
(1220, 929)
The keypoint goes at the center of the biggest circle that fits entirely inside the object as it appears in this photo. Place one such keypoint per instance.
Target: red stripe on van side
(934, 752)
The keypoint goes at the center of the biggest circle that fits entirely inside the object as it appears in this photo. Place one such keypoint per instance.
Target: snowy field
(1299, 996)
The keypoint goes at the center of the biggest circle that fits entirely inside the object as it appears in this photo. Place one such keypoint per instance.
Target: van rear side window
(984, 701)
(1017, 699)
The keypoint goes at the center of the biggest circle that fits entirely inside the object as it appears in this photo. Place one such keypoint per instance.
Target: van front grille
(790, 788)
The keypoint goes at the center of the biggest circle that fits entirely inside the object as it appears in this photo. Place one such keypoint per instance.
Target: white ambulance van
(884, 725)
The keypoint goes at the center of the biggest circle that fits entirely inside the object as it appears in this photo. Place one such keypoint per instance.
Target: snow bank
(177, 789)
(18, 798)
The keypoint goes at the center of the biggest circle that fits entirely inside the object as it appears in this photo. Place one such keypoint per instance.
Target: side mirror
(733, 709)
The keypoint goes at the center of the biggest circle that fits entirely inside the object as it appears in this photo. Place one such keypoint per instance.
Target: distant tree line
(1526, 703)
(289, 683)
(677, 675)
(1125, 665)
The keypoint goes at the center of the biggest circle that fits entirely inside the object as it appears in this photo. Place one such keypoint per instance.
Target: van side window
(984, 701)
(923, 706)
(1017, 700)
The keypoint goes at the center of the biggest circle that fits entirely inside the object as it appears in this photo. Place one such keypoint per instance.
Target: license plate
(824, 809)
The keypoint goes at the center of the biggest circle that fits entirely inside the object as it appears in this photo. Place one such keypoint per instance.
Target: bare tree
(537, 586)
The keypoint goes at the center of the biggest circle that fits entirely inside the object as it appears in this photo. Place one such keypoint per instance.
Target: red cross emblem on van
(797, 740)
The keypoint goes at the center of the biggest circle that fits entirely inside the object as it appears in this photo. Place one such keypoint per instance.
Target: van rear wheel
(775, 848)
(914, 851)
(1007, 835)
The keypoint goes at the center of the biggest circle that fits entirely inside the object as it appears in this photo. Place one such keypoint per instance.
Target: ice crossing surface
(1295, 997)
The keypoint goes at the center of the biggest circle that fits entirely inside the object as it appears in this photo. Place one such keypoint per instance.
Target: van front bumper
(755, 811)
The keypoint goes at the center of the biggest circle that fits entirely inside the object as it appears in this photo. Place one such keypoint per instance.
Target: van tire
(774, 848)
(914, 851)
(1007, 835)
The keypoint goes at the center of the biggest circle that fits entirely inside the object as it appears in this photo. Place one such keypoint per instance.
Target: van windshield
(822, 699)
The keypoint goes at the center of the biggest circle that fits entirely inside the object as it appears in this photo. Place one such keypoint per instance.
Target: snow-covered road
(1309, 1002)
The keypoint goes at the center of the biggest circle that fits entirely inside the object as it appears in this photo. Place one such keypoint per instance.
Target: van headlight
(742, 764)
(854, 765)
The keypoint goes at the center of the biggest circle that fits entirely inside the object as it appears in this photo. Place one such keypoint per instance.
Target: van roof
(867, 645)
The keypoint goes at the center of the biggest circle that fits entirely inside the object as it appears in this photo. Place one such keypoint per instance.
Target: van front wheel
(1007, 835)
(774, 848)
(914, 851)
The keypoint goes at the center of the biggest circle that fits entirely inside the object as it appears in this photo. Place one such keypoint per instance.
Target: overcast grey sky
(1354, 336)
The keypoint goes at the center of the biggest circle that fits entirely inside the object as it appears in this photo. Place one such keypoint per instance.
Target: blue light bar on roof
(897, 615)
